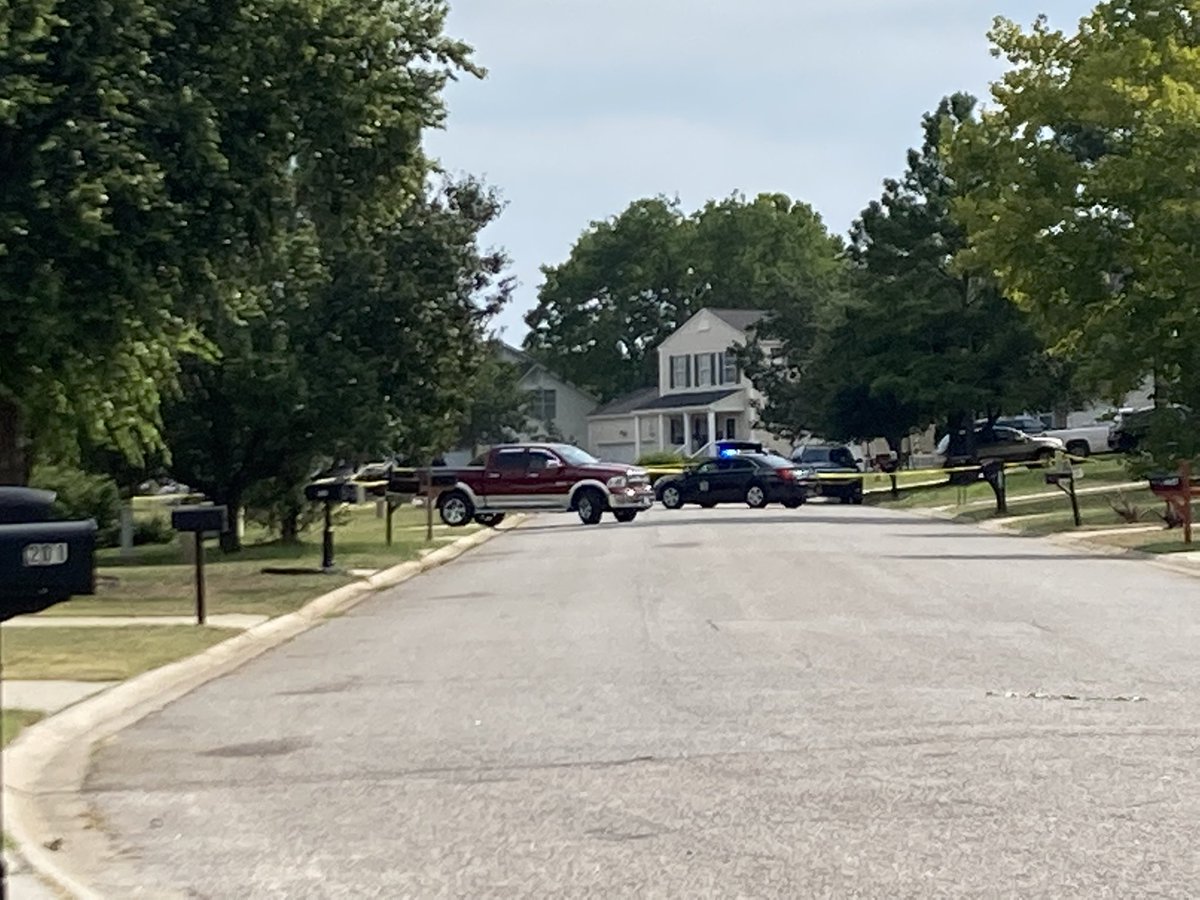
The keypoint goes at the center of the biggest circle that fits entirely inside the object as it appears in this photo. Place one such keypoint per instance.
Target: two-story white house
(702, 394)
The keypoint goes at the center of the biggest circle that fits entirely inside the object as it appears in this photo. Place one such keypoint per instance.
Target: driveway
(834, 701)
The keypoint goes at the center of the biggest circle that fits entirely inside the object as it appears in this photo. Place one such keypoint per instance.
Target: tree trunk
(231, 541)
(289, 526)
(14, 448)
(896, 445)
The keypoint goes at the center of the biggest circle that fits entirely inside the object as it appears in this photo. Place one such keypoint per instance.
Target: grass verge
(1021, 482)
(13, 722)
(158, 581)
(100, 654)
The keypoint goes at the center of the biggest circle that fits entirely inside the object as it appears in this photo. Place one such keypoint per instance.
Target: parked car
(832, 459)
(1081, 441)
(545, 477)
(755, 479)
(1005, 445)
(1131, 425)
(1030, 425)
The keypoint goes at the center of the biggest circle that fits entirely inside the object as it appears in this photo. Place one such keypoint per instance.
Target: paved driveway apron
(826, 702)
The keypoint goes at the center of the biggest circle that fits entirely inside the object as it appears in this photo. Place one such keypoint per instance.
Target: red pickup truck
(536, 477)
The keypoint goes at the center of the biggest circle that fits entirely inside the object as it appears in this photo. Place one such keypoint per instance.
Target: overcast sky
(590, 104)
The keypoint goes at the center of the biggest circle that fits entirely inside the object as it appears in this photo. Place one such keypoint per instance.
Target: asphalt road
(704, 703)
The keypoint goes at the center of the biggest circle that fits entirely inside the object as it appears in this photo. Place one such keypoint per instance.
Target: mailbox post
(1178, 490)
(1064, 478)
(331, 492)
(199, 520)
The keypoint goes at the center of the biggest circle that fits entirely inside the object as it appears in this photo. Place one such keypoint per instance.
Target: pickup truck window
(512, 461)
(540, 460)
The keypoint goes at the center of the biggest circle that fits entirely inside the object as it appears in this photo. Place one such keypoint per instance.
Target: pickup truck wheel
(590, 506)
(625, 515)
(456, 509)
(1079, 448)
(489, 520)
(671, 497)
(756, 497)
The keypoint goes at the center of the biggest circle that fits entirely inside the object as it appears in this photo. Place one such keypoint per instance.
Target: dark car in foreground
(842, 473)
(755, 479)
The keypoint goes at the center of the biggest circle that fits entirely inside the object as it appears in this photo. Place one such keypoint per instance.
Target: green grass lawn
(13, 721)
(158, 580)
(1021, 482)
(100, 654)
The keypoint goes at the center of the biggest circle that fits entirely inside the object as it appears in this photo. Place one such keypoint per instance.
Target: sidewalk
(49, 696)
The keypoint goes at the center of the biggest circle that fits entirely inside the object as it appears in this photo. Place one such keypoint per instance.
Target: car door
(504, 482)
(1008, 445)
(701, 483)
(733, 477)
(547, 484)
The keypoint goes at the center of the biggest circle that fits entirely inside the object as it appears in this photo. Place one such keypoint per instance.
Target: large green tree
(150, 151)
(632, 280)
(919, 341)
(1081, 181)
(376, 353)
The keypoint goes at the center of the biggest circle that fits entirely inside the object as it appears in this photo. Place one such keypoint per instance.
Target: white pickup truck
(1082, 441)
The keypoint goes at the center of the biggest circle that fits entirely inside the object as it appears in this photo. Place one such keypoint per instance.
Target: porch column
(712, 426)
(637, 438)
(687, 434)
(662, 435)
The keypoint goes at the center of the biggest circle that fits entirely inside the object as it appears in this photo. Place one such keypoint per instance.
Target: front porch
(689, 429)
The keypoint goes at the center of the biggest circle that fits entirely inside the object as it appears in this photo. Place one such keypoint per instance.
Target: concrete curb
(45, 768)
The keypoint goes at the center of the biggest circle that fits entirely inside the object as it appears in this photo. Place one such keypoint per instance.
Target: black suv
(832, 459)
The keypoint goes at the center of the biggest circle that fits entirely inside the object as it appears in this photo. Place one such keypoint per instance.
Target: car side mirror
(553, 464)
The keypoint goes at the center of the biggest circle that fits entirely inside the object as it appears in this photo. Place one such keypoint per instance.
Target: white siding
(612, 438)
(702, 333)
(572, 406)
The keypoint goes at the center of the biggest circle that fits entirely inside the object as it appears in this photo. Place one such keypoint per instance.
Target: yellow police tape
(900, 474)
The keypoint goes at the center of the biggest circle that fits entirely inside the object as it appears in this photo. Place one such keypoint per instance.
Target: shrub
(81, 495)
(152, 531)
(660, 458)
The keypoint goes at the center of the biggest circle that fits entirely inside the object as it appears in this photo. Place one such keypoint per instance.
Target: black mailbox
(334, 492)
(22, 504)
(47, 561)
(199, 519)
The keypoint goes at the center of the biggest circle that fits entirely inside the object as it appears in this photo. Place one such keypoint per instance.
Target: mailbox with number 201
(41, 561)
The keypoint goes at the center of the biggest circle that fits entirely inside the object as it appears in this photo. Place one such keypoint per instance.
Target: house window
(706, 369)
(543, 405)
(676, 431)
(729, 369)
(680, 372)
(731, 429)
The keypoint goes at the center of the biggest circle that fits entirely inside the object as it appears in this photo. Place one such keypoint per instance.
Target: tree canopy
(1080, 185)
(152, 153)
(917, 340)
(632, 280)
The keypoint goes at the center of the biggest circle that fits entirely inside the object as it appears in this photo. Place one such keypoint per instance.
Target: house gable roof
(741, 319)
(529, 364)
(626, 404)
